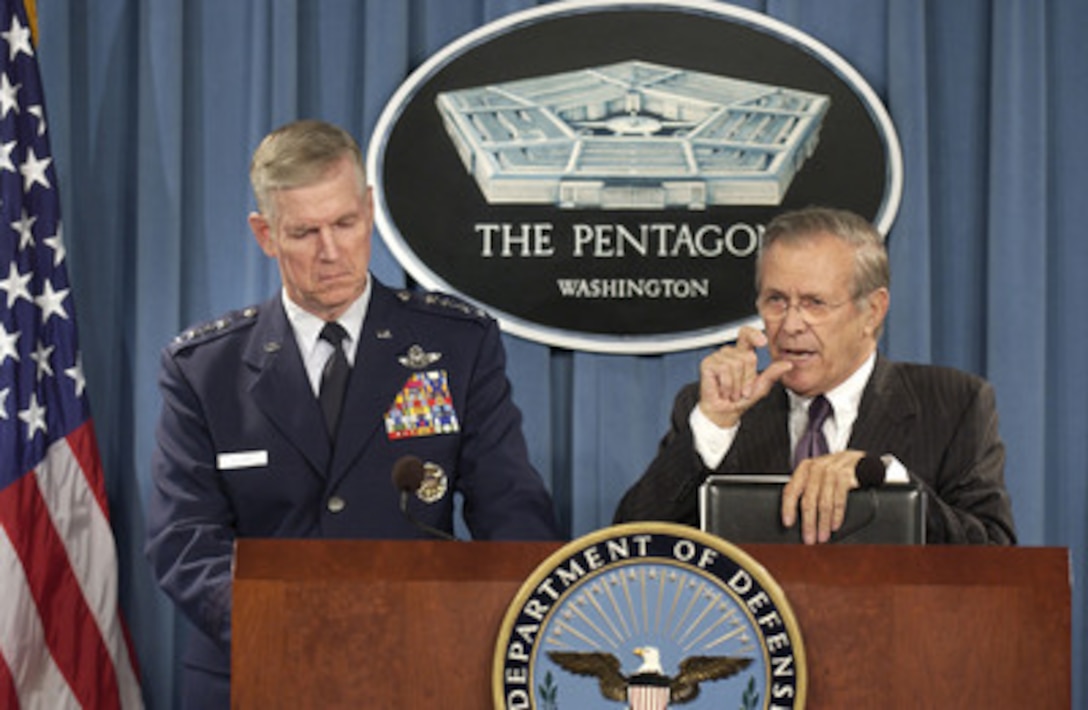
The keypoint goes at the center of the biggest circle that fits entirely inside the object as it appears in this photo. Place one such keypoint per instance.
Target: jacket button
(336, 504)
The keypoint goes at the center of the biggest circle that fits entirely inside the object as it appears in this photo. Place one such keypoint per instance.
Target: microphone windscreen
(408, 473)
(870, 471)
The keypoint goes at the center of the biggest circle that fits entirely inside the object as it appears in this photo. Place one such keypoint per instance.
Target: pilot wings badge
(649, 615)
(417, 358)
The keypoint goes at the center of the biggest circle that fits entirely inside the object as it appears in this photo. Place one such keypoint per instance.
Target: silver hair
(299, 154)
(871, 268)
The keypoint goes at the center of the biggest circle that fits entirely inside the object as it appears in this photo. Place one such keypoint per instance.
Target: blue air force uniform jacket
(242, 449)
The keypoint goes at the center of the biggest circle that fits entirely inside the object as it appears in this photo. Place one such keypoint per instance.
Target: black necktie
(334, 376)
(813, 442)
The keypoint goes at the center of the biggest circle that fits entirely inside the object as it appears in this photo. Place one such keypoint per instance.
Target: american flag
(62, 640)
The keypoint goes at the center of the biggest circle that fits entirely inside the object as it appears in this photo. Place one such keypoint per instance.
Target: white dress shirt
(713, 442)
(307, 328)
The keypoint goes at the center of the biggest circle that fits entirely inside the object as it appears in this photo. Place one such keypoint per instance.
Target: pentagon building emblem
(596, 174)
(649, 616)
(633, 135)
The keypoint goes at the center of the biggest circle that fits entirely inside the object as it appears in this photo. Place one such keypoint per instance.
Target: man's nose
(329, 248)
(794, 318)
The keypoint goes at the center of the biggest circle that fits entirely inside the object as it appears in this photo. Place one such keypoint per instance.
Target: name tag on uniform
(241, 459)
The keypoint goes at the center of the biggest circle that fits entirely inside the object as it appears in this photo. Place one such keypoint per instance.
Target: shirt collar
(845, 398)
(307, 327)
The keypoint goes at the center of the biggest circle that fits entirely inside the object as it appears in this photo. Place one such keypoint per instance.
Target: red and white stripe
(62, 640)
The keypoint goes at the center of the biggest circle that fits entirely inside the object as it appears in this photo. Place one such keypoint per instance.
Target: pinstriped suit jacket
(939, 422)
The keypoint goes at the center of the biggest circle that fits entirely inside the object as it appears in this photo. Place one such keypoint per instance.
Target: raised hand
(729, 383)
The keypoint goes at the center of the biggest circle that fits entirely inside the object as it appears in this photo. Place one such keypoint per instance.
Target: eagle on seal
(682, 688)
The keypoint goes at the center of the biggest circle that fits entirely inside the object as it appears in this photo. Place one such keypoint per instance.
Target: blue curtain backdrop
(156, 105)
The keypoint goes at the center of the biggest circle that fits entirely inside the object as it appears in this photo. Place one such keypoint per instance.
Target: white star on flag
(33, 170)
(41, 358)
(8, 347)
(75, 372)
(51, 302)
(5, 156)
(39, 113)
(8, 93)
(16, 285)
(56, 243)
(18, 39)
(33, 416)
(25, 228)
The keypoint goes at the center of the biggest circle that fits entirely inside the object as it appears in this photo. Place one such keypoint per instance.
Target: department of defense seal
(649, 616)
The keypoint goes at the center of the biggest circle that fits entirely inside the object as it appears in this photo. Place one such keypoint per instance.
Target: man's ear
(878, 308)
(262, 231)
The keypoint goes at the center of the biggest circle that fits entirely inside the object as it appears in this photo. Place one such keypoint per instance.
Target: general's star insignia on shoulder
(417, 358)
(210, 329)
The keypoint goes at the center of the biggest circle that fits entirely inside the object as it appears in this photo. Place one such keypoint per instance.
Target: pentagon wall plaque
(596, 174)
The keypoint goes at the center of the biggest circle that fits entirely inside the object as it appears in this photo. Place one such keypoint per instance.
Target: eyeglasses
(812, 309)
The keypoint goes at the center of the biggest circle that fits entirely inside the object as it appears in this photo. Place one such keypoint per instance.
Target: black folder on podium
(746, 508)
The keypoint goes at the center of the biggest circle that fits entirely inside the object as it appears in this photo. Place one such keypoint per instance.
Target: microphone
(870, 472)
(408, 474)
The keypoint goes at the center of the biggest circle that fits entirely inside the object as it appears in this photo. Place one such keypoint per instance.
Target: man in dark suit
(244, 448)
(822, 282)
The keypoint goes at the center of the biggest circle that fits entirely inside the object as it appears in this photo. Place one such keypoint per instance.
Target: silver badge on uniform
(434, 483)
(417, 358)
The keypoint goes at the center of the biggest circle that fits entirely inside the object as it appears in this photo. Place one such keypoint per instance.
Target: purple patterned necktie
(813, 442)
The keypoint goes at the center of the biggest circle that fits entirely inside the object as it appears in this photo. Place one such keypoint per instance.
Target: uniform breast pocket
(262, 487)
(428, 469)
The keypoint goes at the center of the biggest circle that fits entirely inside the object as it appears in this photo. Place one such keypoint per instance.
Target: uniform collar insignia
(417, 358)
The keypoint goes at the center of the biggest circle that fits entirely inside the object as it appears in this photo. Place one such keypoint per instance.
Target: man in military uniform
(249, 443)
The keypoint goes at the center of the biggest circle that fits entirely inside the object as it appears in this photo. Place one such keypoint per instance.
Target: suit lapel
(887, 408)
(763, 441)
(280, 388)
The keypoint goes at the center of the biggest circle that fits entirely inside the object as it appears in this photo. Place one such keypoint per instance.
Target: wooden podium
(390, 624)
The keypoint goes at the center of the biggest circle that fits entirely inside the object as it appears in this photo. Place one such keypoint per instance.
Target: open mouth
(796, 355)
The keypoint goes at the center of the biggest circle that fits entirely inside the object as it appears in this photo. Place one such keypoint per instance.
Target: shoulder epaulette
(212, 329)
(442, 304)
